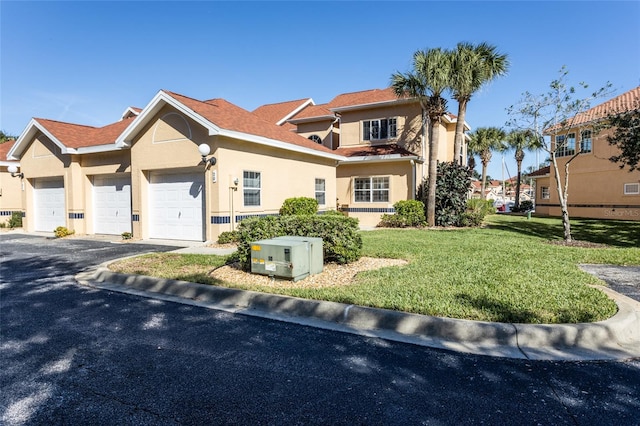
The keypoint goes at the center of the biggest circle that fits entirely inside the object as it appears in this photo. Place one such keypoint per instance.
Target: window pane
(585, 141)
(383, 128)
(375, 129)
(319, 184)
(366, 130)
(380, 196)
(362, 183)
(392, 128)
(380, 183)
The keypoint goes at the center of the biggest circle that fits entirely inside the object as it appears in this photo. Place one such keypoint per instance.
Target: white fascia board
(15, 153)
(127, 111)
(10, 163)
(278, 144)
(295, 111)
(373, 105)
(312, 119)
(97, 149)
(379, 159)
(160, 100)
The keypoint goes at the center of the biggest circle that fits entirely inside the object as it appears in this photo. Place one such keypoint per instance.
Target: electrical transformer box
(286, 257)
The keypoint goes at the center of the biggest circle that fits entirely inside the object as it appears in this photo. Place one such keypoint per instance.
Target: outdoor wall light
(14, 172)
(204, 150)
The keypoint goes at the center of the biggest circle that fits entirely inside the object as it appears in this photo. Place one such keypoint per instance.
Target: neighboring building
(10, 187)
(144, 174)
(598, 188)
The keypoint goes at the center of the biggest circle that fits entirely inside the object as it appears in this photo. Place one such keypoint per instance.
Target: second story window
(585, 141)
(566, 145)
(384, 128)
(315, 138)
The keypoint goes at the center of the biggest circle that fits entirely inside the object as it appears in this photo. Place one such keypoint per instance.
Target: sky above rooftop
(86, 62)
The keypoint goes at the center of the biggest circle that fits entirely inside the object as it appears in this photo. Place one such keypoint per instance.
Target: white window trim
(252, 188)
(630, 185)
(542, 192)
(371, 189)
(379, 120)
(324, 191)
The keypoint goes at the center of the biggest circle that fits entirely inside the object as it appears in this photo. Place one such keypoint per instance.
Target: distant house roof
(313, 113)
(362, 98)
(627, 101)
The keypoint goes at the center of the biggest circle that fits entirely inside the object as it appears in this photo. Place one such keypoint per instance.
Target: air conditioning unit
(288, 257)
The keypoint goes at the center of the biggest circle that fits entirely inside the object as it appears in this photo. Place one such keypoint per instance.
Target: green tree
(485, 140)
(521, 141)
(626, 136)
(428, 80)
(551, 114)
(472, 66)
(5, 137)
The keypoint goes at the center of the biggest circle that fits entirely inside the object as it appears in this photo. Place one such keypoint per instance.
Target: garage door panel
(177, 206)
(49, 204)
(112, 204)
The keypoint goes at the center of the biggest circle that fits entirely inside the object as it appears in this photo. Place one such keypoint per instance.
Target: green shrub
(341, 240)
(525, 206)
(299, 206)
(476, 211)
(15, 221)
(127, 235)
(333, 213)
(61, 232)
(452, 187)
(229, 237)
(3, 225)
(408, 213)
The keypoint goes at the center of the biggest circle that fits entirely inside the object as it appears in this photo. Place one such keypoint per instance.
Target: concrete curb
(616, 338)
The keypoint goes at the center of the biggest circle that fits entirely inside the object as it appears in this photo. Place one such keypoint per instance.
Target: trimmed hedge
(299, 206)
(408, 213)
(341, 240)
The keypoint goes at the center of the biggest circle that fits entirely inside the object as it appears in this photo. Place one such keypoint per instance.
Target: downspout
(413, 179)
(423, 143)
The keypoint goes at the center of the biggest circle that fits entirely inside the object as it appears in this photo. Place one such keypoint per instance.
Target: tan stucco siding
(321, 128)
(596, 185)
(400, 176)
(10, 195)
(409, 127)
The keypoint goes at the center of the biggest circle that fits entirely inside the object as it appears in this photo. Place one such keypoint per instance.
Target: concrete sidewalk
(617, 338)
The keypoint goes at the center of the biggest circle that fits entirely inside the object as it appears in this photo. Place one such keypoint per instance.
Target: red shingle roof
(80, 136)
(4, 149)
(540, 172)
(314, 111)
(363, 97)
(273, 113)
(625, 102)
(231, 117)
(367, 151)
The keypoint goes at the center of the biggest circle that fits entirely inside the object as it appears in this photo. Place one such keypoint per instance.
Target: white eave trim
(278, 144)
(373, 104)
(97, 149)
(155, 105)
(10, 163)
(379, 158)
(312, 119)
(15, 153)
(295, 111)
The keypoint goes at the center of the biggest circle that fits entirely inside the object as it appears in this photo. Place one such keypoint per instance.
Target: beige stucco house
(146, 174)
(598, 188)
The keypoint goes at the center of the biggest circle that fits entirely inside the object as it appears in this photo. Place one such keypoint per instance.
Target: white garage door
(49, 204)
(176, 206)
(112, 204)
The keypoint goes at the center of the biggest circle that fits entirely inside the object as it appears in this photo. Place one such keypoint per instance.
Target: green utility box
(287, 257)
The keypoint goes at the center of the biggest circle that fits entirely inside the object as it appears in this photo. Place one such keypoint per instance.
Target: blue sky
(86, 62)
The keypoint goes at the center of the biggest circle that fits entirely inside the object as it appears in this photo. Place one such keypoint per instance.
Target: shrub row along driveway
(74, 355)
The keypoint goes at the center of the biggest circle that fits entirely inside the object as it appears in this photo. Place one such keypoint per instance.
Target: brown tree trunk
(433, 169)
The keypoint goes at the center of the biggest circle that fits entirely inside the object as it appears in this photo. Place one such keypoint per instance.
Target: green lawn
(504, 272)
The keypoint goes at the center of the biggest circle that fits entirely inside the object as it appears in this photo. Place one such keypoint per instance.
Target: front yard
(506, 271)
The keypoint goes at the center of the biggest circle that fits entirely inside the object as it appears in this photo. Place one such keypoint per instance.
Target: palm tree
(429, 79)
(519, 141)
(485, 140)
(472, 66)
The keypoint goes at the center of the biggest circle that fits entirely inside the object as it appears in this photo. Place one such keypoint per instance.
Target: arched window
(316, 139)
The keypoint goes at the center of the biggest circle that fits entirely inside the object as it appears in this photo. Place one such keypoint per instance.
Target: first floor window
(585, 141)
(384, 128)
(320, 192)
(371, 190)
(544, 192)
(251, 188)
(631, 188)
